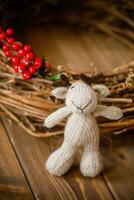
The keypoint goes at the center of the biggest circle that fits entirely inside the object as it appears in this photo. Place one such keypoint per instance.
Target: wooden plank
(77, 49)
(13, 184)
(33, 152)
(119, 173)
(81, 51)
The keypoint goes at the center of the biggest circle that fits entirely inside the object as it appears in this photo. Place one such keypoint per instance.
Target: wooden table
(22, 157)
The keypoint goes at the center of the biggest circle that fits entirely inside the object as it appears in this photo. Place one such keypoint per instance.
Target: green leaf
(53, 78)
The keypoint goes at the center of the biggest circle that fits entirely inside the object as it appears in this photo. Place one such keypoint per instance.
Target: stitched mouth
(79, 107)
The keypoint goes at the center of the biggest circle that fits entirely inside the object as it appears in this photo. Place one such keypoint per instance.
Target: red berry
(9, 31)
(48, 65)
(21, 68)
(32, 69)
(5, 47)
(10, 40)
(2, 36)
(15, 67)
(15, 60)
(21, 53)
(38, 62)
(30, 56)
(16, 45)
(26, 75)
(25, 61)
(8, 53)
(27, 48)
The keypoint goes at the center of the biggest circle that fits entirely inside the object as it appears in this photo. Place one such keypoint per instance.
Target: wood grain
(77, 49)
(119, 162)
(13, 184)
(80, 51)
(32, 154)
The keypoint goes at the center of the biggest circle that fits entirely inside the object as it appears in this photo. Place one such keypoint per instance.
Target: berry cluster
(21, 56)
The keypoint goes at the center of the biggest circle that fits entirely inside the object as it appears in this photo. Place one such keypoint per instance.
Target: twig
(31, 100)
(28, 110)
(116, 100)
(125, 110)
(118, 124)
(30, 124)
(39, 135)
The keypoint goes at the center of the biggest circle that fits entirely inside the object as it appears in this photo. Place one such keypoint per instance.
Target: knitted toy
(81, 128)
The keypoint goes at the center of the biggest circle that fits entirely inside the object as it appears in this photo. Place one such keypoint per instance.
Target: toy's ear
(102, 90)
(60, 92)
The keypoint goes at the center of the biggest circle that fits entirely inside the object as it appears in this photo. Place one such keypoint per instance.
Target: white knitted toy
(81, 127)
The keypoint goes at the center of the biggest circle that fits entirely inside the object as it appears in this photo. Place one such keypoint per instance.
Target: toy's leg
(61, 160)
(91, 161)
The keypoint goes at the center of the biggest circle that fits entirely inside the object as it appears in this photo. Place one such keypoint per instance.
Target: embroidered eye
(72, 86)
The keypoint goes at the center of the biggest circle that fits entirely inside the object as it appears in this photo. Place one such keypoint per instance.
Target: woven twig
(29, 102)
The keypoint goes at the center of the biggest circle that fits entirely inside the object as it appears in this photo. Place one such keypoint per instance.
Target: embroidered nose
(76, 105)
(79, 107)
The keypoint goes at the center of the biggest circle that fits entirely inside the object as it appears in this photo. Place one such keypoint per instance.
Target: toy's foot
(61, 160)
(91, 164)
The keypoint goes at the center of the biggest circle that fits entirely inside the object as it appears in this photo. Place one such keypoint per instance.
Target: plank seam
(28, 183)
(103, 177)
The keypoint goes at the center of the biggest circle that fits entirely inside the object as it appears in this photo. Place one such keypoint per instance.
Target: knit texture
(81, 128)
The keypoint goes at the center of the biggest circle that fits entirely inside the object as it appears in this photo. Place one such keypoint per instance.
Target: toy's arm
(110, 112)
(56, 117)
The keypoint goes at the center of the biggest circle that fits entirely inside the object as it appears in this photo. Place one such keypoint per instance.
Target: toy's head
(80, 97)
